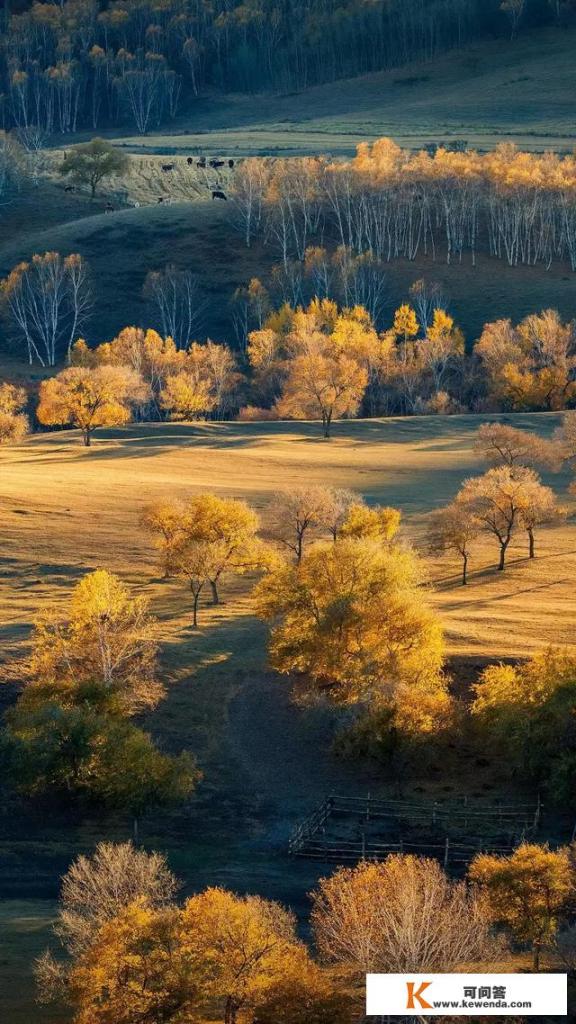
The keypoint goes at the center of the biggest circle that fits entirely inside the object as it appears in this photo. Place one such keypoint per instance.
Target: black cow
(189, 161)
(160, 199)
(218, 194)
(201, 162)
(230, 163)
(69, 188)
(167, 167)
(216, 163)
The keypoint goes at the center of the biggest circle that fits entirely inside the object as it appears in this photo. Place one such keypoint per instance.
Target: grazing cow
(201, 162)
(230, 163)
(108, 208)
(216, 163)
(167, 167)
(189, 161)
(136, 204)
(69, 188)
(160, 199)
(218, 194)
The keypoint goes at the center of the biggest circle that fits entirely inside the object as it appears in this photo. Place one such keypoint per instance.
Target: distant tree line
(393, 203)
(87, 64)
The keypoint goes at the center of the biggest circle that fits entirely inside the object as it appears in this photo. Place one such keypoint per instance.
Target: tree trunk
(87, 438)
(215, 594)
(502, 561)
(536, 960)
(326, 424)
(195, 609)
(230, 1012)
(464, 570)
(531, 551)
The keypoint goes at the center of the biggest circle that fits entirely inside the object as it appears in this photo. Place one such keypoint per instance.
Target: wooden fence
(453, 832)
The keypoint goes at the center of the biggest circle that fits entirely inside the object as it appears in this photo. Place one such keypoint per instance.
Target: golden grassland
(65, 509)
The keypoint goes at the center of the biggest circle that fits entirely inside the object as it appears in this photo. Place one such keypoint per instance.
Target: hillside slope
(522, 90)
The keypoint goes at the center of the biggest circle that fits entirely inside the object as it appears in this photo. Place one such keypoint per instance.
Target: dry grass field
(65, 510)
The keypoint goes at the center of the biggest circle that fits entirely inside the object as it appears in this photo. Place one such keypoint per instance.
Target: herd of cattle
(216, 191)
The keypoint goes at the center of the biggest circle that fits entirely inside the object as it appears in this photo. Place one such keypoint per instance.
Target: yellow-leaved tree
(106, 645)
(88, 398)
(352, 619)
(529, 892)
(403, 914)
(206, 538)
(13, 422)
(219, 957)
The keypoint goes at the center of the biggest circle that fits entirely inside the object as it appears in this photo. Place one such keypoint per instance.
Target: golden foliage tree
(352, 619)
(378, 522)
(90, 398)
(218, 957)
(206, 538)
(13, 422)
(403, 914)
(526, 711)
(528, 891)
(530, 366)
(106, 644)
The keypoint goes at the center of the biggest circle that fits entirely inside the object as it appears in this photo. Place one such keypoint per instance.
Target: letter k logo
(417, 994)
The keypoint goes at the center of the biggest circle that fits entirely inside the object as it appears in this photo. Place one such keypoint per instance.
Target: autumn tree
(376, 522)
(206, 538)
(453, 529)
(206, 383)
(302, 512)
(219, 956)
(321, 386)
(403, 914)
(89, 398)
(91, 162)
(503, 445)
(528, 892)
(96, 888)
(526, 713)
(48, 301)
(530, 366)
(351, 619)
(406, 324)
(13, 422)
(106, 644)
(315, 360)
(506, 499)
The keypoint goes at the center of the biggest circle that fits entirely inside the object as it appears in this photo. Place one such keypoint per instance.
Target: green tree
(91, 162)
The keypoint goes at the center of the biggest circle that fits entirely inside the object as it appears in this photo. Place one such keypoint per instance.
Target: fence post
(368, 808)
(363, 845)
(446, 852)
(537, 811)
